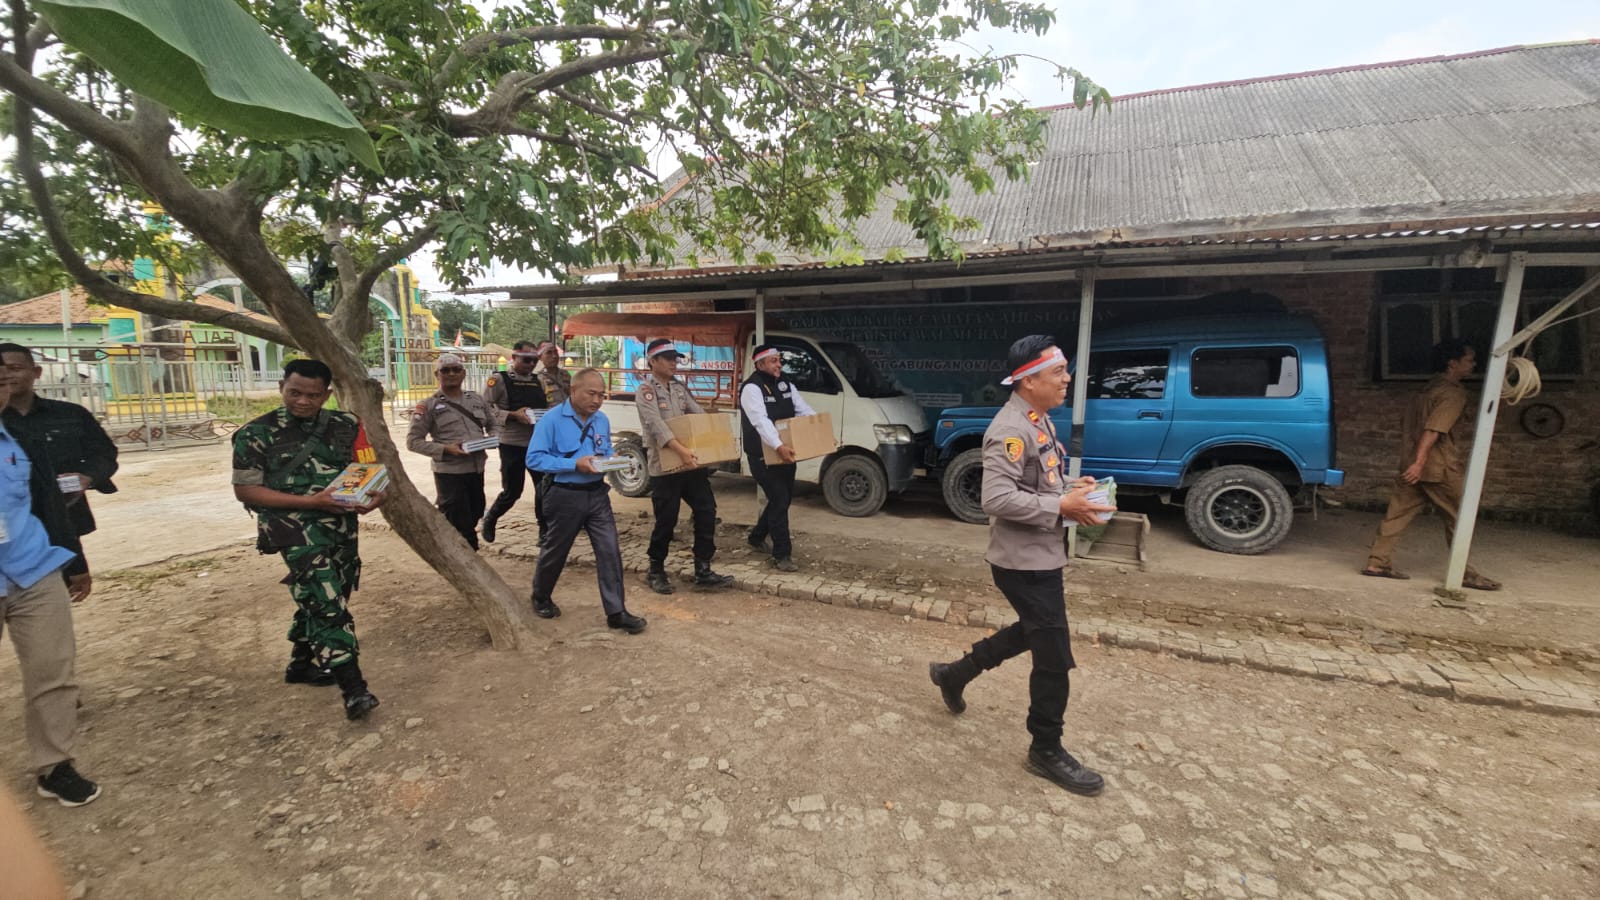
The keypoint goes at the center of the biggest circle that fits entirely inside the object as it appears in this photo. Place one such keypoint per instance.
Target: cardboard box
(808, 436)
(709, 436)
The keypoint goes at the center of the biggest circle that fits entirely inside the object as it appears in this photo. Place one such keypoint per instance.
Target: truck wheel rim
(971, 486)
(1240, 512)
(853, 486)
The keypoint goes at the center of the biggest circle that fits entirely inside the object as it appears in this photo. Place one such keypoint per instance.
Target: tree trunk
(424, 529)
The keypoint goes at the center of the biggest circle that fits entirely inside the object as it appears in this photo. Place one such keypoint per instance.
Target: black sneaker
(1062, 768)
(626, 621)
(299, 672)
(356, 706)
(67, 786)
(488, 528)
(546, 609)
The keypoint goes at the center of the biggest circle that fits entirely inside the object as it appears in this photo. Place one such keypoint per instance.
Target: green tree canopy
(523, 136)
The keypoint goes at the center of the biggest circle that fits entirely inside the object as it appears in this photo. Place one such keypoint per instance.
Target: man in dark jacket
(68, 434)
(43, 572)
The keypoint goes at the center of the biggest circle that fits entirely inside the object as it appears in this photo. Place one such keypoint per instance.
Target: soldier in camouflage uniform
(285, 468)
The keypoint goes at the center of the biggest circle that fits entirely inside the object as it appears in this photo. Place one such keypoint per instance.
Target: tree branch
(576, 144)
(392, 255)
(479, 44)
(76, 116)
(516, 88)
(589, 107)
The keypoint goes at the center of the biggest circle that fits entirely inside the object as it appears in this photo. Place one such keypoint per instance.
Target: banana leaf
(209, 60)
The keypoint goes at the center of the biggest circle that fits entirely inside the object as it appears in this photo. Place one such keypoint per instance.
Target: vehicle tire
(962, 485)
(1239, 509)
(855, 485)
(634, 482)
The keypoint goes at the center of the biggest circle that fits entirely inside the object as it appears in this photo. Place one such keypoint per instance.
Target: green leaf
(211, 61)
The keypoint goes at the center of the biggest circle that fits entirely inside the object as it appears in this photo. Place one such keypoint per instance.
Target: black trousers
(693, 488)
(460, 498)
(513, 473)
(1040, 629)
(569, 511)
(777, 482)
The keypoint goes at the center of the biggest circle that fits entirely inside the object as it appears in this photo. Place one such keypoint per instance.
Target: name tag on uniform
(438, 406)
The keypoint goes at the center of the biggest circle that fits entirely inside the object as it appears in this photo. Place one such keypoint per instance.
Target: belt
(582, 485)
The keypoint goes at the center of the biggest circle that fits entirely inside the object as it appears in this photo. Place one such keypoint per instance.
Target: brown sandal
(1479, 582)
(1385, 572)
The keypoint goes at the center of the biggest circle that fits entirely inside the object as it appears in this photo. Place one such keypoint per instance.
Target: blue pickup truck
(1233, 415)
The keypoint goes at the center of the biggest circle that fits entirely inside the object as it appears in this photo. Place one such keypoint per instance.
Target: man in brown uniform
(660, 397)
(1431, 467)
(1028, 501)
(516, 396)
(556, 381)
(439, 426)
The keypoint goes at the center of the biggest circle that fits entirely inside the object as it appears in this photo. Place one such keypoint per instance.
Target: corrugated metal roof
(1514, 131)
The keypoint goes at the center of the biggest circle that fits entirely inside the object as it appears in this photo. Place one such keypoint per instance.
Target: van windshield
(857, 369)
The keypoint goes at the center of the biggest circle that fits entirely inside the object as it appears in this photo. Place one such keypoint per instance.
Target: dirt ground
(746, 746)
(749, 746)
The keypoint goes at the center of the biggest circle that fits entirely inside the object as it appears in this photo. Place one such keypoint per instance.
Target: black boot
(358, 701)
(302, 668)
(952, 679)
(1057, 765)
(704, 577)
(658, 580)
(489, 520)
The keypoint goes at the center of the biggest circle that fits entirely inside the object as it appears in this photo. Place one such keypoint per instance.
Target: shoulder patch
(491, 382)
(647, 395)
(1013, 448)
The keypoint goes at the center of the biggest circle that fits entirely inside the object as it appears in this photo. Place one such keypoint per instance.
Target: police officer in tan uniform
(439, 425)
(556, 381)
(1028, 501)
(1431, 467)
(661, 397)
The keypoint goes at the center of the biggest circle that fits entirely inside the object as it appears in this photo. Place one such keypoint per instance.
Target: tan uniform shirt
(1438, 407)
(657, 404)
(436, 423)
(1024, 476)
(557, 385)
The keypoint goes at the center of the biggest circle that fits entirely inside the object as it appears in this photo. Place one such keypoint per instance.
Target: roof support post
(761, 338)
(1483, 434)
(550, 320)
(1080, 392)
(761, 317)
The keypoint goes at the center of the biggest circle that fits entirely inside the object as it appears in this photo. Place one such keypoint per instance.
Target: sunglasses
(451, 370)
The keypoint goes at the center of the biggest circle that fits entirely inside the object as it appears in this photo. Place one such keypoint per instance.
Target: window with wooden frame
(1421, 307)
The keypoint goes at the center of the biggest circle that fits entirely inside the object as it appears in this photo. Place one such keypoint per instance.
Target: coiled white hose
(1522, 380)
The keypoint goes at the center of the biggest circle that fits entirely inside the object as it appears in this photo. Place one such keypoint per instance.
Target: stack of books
(359, 482)
(483, 443)
(614, 464)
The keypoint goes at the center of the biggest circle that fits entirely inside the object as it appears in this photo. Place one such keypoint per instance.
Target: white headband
(770, 351)
(1045, 360)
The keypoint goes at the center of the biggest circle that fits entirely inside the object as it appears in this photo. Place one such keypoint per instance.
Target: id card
(5, 533)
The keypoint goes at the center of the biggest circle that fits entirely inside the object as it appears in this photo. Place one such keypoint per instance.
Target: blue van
(1232, 415)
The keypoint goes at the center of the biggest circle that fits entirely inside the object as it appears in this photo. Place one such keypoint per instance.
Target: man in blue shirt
(38, 551)
(568, 443)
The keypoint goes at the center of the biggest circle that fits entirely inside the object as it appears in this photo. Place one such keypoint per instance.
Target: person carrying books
(515, 393)
(286, 466)
(439, 426)
(567, 447)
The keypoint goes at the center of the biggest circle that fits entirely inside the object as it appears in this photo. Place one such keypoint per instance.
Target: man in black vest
(512, 393)
(768, 397)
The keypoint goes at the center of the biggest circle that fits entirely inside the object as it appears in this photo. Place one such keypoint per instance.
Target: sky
(1132, 46)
